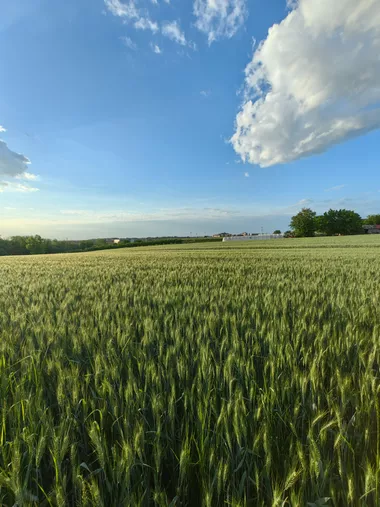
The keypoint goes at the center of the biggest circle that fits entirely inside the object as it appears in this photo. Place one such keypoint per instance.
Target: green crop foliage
(240, 374)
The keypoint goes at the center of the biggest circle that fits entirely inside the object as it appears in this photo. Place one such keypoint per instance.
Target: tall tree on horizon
(303, 224)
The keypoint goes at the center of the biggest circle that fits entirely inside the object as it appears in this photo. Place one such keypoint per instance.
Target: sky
(125, 118)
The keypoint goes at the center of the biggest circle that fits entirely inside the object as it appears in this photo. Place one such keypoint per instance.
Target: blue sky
(122, 118)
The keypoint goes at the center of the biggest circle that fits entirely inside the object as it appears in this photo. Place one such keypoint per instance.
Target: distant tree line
(307, 223)
(31, 245)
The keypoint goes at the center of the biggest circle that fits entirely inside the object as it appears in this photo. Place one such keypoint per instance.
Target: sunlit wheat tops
(205, 375)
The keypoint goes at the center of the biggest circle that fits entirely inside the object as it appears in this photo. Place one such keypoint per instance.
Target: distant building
(372, 229)
(254, 237)
(112, 241)
(221, 235)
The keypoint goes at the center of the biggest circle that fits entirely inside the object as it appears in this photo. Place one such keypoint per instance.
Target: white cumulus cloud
(312, 83)
(173, 31)
(14, 166)
(11, 163)
(219, 18)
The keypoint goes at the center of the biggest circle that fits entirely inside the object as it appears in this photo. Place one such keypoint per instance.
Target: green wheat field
(221, 374)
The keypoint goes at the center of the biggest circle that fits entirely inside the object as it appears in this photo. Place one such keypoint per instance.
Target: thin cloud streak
(337, 187)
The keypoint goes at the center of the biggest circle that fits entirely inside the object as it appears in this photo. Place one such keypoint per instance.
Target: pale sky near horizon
(169, 117)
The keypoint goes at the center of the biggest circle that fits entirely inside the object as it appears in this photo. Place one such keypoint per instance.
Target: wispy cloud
(246, 174)
(174, 214)
(131, 13)
(122, 9)
(139, 17)
(19, 187)
(293, 208)
(172, 30)
(299, 101)
(205, 93)
(128, 42)
(156, 49)
(337, 187)
(77, 212)
(183, 215)
(219, 18)
(10, 186)
(28, 176)
(146, 24)
(160, 221)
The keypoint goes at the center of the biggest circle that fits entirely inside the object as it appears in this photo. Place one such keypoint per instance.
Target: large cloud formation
(13, 165)
(312, 83)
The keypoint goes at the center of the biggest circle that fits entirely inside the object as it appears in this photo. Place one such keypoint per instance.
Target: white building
(254, 238)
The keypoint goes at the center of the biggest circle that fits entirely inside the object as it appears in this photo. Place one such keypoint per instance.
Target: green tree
(35, 244)
(372, 220)
(18, 245)
(303, 224)
(340, 221)
(277, 231)
(99, 243)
